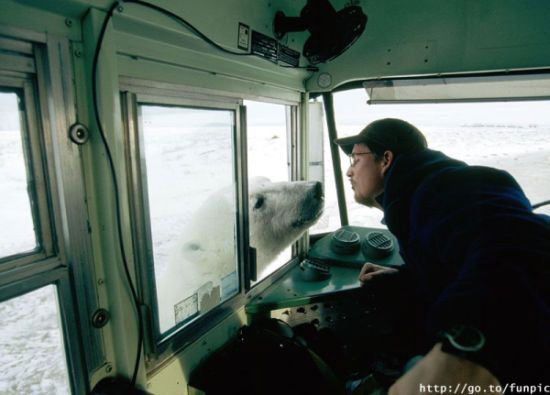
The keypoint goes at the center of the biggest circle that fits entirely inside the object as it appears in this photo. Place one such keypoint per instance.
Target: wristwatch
(463, 340)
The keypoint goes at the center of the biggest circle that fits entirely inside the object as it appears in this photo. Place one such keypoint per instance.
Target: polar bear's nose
(317, 189)
(311, 205)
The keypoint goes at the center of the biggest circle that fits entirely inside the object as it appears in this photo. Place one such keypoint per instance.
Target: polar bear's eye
(259, 202)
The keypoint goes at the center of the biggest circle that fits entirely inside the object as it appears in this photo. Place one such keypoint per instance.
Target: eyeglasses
(353, 157)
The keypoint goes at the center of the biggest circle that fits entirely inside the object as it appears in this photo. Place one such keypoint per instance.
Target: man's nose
(349, 172)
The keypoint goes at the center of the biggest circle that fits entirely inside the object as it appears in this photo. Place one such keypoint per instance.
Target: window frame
(60, 278)
(136, 92)
(292, 155)
(133, 91)
(39, 67)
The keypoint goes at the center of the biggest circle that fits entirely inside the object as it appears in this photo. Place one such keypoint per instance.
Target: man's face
(366, 175)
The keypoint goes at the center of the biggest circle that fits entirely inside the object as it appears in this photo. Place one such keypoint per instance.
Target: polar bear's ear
(192, 251)
(258, 181)
(192, 246)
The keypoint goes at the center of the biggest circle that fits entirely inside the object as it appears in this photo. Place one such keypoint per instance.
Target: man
(476, 259)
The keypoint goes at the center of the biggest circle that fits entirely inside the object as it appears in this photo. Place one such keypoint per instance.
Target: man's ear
(387, 160)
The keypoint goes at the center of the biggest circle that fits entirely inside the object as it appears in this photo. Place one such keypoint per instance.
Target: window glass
(330, 220)
(191, 198)
(268, 157)
(15, 202)
(513, 136)
(31, 345)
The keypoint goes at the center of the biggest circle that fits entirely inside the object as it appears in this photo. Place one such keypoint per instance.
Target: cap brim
(347, 143)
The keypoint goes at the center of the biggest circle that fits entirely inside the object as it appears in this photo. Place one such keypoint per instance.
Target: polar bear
(202, 268)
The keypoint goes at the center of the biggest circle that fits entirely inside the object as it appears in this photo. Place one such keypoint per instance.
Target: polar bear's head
(279, 212)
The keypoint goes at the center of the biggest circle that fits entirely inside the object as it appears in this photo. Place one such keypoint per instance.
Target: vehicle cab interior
(175, 215)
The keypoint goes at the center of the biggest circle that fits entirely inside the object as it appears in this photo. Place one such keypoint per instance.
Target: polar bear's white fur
(279, 212)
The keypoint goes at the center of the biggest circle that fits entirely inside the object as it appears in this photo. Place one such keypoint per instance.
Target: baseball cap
(389, 134)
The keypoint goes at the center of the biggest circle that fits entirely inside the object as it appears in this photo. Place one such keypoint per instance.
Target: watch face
(465, 338)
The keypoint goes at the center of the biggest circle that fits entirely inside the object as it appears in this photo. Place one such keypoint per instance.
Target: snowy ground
(30, 346)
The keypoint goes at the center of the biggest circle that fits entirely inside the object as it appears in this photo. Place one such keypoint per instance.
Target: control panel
(352, 246)
(331, 266)
(355, 328)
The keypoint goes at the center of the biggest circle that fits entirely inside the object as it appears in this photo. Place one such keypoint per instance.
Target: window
(513, 136)
(182, 154)
(31, 347)
(41, 341)
(269, 156)
(330, 220)
(185, 149)
(23, 201)
(192, 208)
(15, 204)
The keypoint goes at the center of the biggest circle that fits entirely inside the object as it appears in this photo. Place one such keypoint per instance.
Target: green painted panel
(22, 16)
(155, 71)
(295, 289)
(292, 290)
(430, 37)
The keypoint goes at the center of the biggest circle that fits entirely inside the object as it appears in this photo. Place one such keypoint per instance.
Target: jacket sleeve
(492, 256)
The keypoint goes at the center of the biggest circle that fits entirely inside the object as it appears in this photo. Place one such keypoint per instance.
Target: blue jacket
(476, 255)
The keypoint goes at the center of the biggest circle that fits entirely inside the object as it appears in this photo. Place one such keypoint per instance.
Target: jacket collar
(403, 178)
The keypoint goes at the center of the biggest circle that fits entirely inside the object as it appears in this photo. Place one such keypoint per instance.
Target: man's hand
(446, 371)
(370, 271)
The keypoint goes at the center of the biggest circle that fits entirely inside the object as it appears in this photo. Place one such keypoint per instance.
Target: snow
(31, 345)
(15, 208)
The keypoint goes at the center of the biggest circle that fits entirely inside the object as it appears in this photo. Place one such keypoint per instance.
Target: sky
(351, 109)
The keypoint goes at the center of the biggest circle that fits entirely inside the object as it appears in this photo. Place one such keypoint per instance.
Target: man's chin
(371, 202)
(366, 201)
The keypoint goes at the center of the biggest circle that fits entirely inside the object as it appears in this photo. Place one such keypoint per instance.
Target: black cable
(203, 36)
(117, 197)
(540, 204)
(186, 24)
(108, 150)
